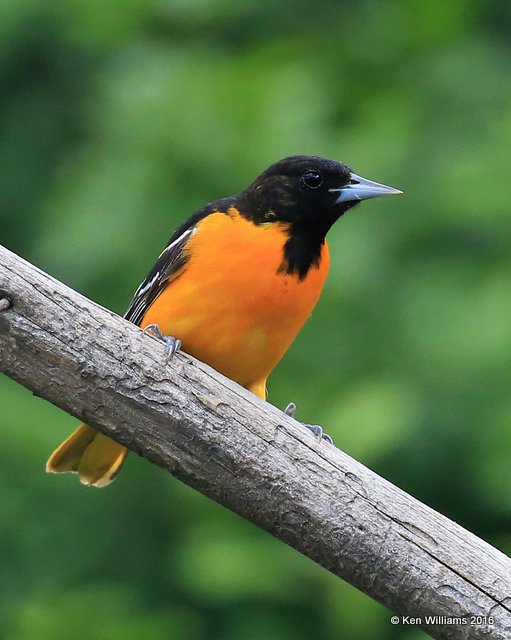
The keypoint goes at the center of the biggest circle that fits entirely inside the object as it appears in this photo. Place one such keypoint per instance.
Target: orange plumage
(243, 325)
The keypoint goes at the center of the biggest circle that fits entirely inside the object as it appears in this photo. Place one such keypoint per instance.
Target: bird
(235, 284)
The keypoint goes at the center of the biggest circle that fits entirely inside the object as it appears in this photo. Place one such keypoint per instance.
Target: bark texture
(250, 457)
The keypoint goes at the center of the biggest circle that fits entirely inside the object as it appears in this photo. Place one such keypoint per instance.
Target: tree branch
(248, 456)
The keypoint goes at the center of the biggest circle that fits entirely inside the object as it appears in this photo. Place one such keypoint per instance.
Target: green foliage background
(117, 120)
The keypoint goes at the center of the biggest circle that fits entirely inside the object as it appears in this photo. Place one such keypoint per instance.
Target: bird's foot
(171, 344)
(315, 429)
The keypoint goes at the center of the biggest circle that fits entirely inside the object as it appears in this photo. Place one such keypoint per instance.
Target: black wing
(170, 262)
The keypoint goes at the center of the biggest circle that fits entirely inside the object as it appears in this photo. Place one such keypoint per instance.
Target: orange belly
(230, 307)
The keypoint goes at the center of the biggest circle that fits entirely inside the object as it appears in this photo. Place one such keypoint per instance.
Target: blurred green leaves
(96, 612)
(117, 121)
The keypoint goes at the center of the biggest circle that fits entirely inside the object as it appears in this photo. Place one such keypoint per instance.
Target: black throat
(308, 222)
(302, 251)
(307, 236)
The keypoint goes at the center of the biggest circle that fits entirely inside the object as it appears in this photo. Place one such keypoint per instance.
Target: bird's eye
(312, 179)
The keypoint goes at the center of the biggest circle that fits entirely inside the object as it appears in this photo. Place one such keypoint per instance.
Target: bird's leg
(315, 429)
(171, 344)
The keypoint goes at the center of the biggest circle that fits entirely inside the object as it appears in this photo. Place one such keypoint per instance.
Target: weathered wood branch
(250, 457)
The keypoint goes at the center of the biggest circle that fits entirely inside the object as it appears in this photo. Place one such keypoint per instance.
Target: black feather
(170, 262)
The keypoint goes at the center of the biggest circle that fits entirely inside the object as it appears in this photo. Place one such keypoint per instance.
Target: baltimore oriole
(235, 284)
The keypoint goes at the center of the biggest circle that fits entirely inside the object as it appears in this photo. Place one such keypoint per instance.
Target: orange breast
(230, 306)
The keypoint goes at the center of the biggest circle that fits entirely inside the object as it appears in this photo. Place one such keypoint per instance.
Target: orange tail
(95, 457)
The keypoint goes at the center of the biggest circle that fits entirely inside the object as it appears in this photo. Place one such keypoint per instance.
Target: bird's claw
(172, 345)
(290, 410)
(318, 432)
(315, 429)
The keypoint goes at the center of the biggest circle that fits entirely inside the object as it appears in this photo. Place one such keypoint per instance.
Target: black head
(307, 191)
(310, 194)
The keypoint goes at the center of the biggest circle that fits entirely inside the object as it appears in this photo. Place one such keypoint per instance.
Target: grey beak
(360, 188)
